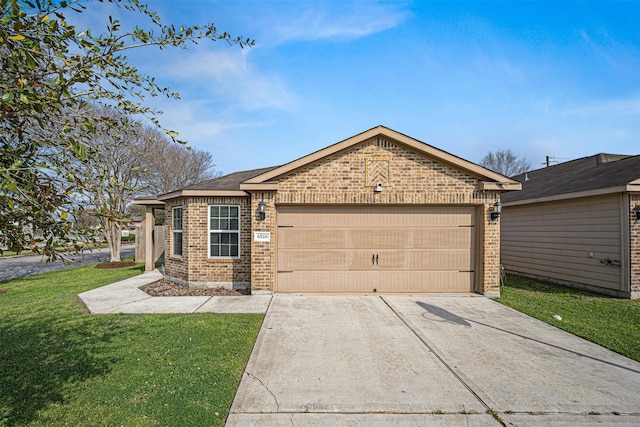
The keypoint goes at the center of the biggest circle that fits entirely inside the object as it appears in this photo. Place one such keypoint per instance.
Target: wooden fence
(158, 243)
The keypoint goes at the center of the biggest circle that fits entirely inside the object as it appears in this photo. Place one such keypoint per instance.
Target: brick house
(377, 212)
(577, 224)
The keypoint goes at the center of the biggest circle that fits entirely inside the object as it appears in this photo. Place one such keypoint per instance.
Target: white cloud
(228, 76)
(343, 21)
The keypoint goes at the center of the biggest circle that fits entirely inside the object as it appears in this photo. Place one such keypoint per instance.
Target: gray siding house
(578, 224)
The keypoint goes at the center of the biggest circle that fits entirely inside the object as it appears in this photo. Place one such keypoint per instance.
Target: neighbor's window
(177, 231)
(224, 231)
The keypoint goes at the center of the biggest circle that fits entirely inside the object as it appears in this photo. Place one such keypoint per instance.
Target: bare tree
(505, 162)
(111, 173)
(171, 166)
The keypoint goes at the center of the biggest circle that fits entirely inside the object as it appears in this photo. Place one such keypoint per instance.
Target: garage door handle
(373, 259)
(376, 259)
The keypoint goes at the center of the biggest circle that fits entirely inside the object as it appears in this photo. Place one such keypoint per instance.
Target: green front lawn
(60, 366)
(610, 322)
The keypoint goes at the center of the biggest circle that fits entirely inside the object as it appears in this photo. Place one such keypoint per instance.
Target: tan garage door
(375, 249)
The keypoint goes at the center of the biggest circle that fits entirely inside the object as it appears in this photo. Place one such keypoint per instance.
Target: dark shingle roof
(588, 173)
(228, 182)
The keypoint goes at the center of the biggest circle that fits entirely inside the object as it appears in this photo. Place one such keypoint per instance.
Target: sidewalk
(126, 297)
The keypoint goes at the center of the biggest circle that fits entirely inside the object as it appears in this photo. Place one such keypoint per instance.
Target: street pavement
(14, 267)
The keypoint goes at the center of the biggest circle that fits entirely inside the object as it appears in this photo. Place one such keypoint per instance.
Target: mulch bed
(167, 288)
(3, 291)
(119, 264)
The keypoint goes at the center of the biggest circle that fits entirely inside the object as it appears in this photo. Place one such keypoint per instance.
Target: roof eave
(575, 195)
(147, 202)
(203, 193)
(500, 186)
(259, 186)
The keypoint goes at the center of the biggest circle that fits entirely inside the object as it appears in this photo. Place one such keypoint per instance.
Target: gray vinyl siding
(566, 240)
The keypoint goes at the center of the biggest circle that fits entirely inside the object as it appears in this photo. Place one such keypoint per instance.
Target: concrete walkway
(427, 360)
(126, 297)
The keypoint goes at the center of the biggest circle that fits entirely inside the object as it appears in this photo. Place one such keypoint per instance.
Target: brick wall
(194, 268)
(263, 254)
(634, 245)
(407, 177)
(347, 177)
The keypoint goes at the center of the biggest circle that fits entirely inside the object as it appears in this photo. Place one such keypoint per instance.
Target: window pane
(215, 238)
(233, 224)
(234, 238)
(234, 250)
(215, 211)
(215, 224)
(224, 250)
(215, 250)
(177, 243)
(224, 211)
(224, 238)
(177, 218)
(233, 212)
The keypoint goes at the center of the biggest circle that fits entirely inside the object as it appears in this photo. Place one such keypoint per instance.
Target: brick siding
(194, 268)
(347, 177)
(412, 179)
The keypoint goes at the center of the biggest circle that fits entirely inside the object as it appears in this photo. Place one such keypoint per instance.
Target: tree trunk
(113, 234)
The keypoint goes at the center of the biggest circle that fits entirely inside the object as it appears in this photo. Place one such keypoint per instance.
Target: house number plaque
(261, 236)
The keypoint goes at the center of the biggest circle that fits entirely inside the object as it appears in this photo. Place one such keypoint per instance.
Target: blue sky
(541, 78)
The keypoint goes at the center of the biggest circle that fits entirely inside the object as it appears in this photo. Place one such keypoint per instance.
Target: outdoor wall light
(496, 210)
(378, 188)
(262, 206)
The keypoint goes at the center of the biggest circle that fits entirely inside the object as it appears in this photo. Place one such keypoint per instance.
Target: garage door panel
(339, 260)
(390, 282)
(305, 238)
(415, 249)
(333, 282)
(311, 238)
(433, 260)
(425, 281)
(459, 237)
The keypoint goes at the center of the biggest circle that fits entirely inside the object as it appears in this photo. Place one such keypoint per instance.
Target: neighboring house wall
(575, 241)
(195, 267)
(634, 244)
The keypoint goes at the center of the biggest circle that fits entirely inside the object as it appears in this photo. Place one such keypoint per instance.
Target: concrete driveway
(427, 360)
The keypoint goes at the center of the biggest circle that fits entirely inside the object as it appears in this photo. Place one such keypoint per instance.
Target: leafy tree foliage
(505, 162)
(48, 70)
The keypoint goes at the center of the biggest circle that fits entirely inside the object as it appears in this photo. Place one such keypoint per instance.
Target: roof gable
(602, 172)
(381, 131)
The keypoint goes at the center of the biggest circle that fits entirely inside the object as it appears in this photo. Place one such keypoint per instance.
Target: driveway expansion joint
(440, 358)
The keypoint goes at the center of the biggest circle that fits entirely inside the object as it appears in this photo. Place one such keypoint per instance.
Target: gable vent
(383, 143)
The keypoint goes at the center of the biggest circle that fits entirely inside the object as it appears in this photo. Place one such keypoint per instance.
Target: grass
(60, 366)
(610, 322)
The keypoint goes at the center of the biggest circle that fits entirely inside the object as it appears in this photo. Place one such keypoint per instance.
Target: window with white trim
(176, 223)
(224, 231)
